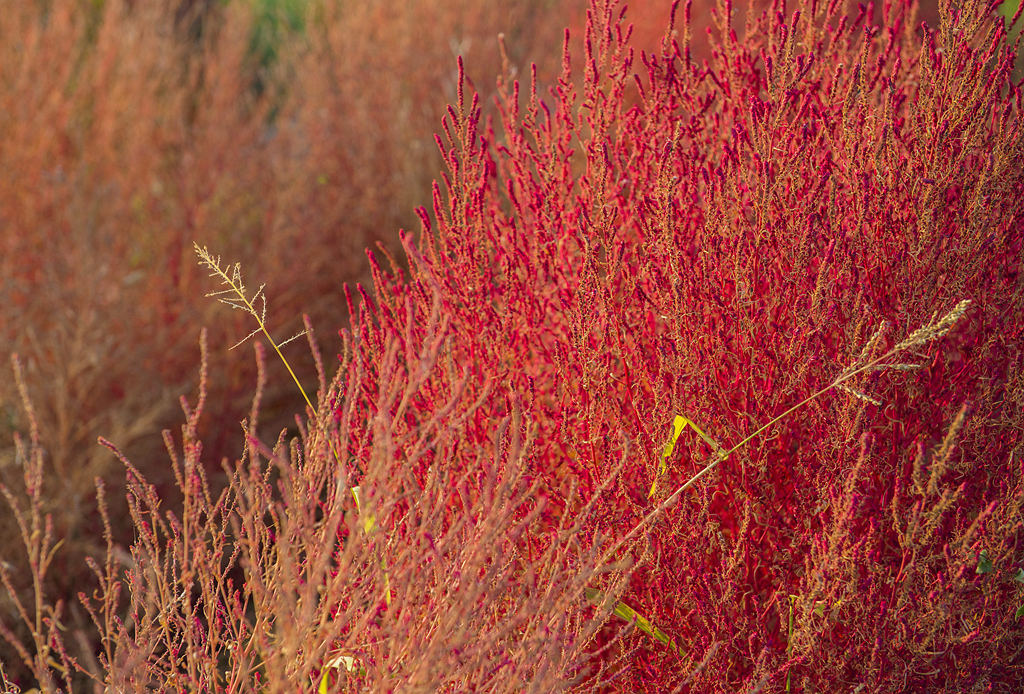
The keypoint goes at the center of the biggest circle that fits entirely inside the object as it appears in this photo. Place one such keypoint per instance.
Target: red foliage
(661, 235)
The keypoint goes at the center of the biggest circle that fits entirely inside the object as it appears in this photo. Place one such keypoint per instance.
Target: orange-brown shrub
(127, 134)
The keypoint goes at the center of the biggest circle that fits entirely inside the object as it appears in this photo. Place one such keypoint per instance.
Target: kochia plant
(719, 240)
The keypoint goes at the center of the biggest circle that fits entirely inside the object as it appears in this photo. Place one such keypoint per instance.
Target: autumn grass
(236, 296)
(132, 128)
(343, 665)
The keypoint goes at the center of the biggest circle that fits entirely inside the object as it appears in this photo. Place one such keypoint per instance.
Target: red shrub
(723, 238)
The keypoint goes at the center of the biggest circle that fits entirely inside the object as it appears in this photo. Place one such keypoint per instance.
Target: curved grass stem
(926, 333)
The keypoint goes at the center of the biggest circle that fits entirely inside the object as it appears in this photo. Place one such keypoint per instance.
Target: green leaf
(1019, 613)
(984, 564)
(627, 613)
(1019, 576)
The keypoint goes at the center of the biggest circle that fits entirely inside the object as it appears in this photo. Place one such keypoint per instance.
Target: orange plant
(133, 128)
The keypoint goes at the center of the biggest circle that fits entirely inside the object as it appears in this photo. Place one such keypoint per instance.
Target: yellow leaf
(678, 424)
(336, 664)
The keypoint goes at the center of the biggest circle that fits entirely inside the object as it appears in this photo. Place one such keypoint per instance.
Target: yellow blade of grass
(370, 522)
(349, 663)
(678, 424)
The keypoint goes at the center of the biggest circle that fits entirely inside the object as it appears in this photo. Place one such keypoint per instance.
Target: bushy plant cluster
(703, 373)
(131, 128)
(721, 240)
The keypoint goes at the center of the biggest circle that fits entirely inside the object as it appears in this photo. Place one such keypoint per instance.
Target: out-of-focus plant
(131, 129)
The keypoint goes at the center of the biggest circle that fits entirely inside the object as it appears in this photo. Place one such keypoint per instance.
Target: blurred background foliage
(288, 135)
